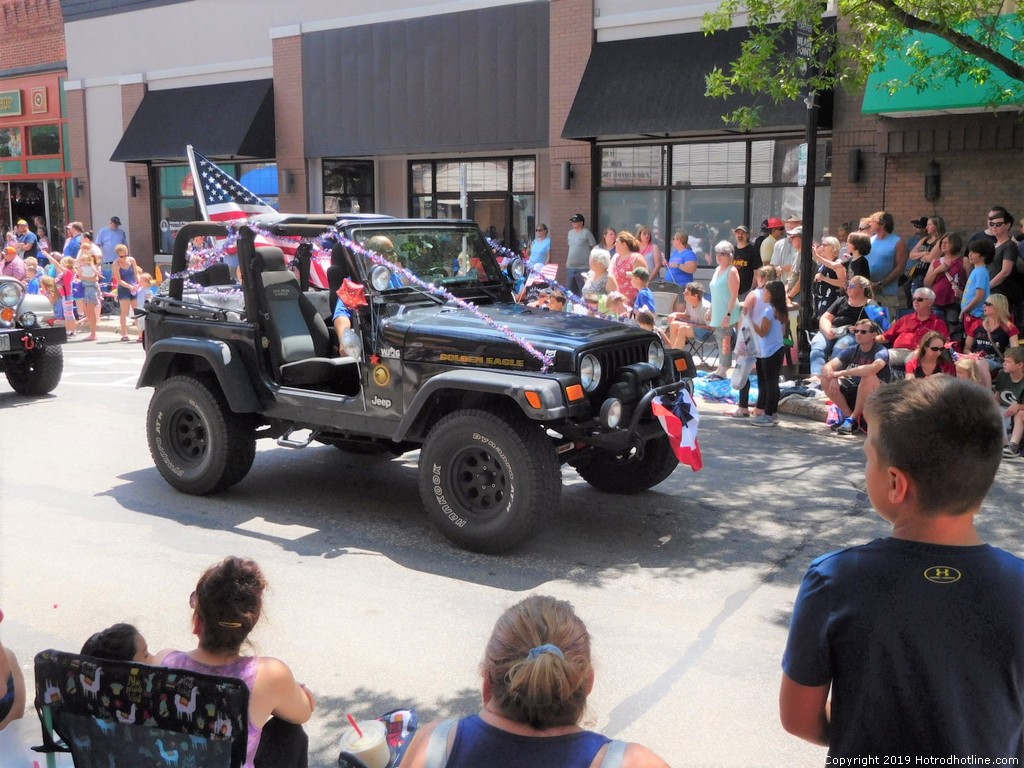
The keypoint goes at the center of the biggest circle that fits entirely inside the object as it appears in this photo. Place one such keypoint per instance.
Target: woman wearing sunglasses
(931, 358)
(990, 338)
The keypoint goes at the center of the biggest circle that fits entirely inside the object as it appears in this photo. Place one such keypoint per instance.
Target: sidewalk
(109, 329)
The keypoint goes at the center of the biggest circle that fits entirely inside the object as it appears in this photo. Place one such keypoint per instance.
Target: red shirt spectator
(906, 332)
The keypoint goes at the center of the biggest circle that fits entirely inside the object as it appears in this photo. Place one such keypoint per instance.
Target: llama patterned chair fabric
(122, 714)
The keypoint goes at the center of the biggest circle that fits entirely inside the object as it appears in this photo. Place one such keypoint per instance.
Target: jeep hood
(455, 336)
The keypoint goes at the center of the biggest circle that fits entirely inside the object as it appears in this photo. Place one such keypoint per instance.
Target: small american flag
(547, 274)
(223, 199)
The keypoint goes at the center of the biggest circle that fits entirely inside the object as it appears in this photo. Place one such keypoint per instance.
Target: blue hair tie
(546, 648)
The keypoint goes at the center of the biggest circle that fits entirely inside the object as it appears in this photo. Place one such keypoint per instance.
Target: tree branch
(958, 39)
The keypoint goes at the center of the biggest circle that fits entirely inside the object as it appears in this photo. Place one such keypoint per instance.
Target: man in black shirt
(745, 258)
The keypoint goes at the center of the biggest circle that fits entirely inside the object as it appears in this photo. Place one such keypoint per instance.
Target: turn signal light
(574, 392)
(533, 398)
(681, 365)
(7, 314)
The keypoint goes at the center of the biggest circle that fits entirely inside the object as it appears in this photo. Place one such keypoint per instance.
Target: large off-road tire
(609, 473)
(485, 480)
(39, 372)
(197, 443)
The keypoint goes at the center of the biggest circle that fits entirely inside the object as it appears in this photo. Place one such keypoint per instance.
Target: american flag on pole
(546, 274)
(223, 199)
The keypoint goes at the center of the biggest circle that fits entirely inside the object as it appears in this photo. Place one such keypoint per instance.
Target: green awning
(943, 96)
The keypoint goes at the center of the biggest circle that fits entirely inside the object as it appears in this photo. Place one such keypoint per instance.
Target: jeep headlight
(656, 354)
(590, 372)
(11, 292)
(28, 320)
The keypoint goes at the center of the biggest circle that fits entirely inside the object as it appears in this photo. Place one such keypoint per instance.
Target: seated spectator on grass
(1009, 386)
(990, 338)
(695, 319)
(119, 642)
(641, 278)
(12, 686)
(537, 674)
(930, 358)
(836, 322)
(850, 377)
(227, 603)
(905, 334)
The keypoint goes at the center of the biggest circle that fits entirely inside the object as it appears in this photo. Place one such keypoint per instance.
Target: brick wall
(572, 37)
(980, 157)
(31, 33)
(291, 150)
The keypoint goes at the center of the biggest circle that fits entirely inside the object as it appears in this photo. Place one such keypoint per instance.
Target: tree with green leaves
(796, 46)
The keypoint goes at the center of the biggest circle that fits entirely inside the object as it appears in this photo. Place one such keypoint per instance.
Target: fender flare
(228, 367)
(549, 387)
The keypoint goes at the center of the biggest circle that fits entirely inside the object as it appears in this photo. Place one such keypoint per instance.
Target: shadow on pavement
(744, 509)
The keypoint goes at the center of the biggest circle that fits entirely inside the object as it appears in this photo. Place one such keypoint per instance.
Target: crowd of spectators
(78, 279)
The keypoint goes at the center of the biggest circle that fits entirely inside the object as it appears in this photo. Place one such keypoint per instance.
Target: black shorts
(848, 385)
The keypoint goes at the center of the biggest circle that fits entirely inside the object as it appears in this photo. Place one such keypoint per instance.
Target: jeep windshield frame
(451, 255)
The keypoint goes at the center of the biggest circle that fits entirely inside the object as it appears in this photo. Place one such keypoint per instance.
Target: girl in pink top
(227, 603)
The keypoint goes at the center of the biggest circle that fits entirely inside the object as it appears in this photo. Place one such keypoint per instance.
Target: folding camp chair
(122, 714)
(704, 347)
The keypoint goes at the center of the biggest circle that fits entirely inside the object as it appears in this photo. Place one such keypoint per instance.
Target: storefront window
(176, 203)
(44, 140)
(348, 186)
(707, 188)
(10, 142)
(500, 194)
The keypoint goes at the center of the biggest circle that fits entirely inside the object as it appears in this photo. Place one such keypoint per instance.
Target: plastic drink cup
(372, 747)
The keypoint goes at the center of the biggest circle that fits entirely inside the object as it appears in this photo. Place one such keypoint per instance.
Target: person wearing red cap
(776, 232)
(12, 264)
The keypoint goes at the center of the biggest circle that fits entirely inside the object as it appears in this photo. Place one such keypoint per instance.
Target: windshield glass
(448, 257)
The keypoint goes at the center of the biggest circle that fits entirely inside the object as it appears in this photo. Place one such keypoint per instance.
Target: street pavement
(686, 589)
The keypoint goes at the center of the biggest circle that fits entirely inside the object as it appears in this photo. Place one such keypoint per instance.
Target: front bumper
(21, 341)
(642, 425)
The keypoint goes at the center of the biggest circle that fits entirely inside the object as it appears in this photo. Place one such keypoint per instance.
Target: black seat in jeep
(299, 342)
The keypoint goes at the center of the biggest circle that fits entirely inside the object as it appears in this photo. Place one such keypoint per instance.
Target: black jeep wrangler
(494, 394)
(30, 349)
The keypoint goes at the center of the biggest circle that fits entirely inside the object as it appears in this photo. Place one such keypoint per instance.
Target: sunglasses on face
(936, 349)
(921, 298)
(988, 304)
(996, 222)
(862, 331)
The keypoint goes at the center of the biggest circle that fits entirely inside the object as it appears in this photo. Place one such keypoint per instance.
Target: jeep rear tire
(197, 443)
(612, 473)
(485, 480)
(39, 372)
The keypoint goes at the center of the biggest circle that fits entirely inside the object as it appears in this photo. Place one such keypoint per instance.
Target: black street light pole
(805, 49)
(807, 242)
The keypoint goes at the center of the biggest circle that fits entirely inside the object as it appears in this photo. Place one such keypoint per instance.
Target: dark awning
(226, 120)
(654, 87)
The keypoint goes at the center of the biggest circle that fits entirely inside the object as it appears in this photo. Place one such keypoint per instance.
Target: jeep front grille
(612, 359)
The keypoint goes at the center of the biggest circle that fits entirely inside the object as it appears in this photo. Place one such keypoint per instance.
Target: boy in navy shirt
(919, 637)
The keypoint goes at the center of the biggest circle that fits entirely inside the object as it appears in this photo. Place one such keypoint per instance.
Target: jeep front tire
(197, 443)
(620, 473)
(485, 480)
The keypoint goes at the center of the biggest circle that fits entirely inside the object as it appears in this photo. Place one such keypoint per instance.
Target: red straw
(355, 725)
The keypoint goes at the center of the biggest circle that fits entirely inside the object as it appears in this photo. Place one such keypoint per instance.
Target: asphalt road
(686, 589)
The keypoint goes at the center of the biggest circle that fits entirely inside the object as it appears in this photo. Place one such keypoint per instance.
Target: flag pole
(197, 185)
